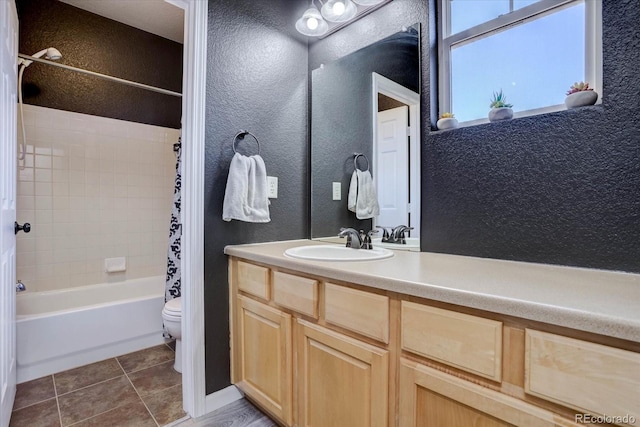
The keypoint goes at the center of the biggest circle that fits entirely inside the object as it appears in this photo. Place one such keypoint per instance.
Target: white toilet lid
(173, 306)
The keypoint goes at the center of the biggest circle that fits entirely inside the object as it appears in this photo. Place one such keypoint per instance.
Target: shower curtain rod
(102, 76)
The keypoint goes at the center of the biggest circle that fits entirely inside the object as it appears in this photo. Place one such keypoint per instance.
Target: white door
(8, 161)
(392, 158)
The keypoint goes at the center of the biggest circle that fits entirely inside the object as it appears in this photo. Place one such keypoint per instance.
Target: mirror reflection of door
(392, 154)
(396, 154)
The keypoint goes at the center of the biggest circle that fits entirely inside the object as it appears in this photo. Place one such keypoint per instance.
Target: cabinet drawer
(467, 342)
(362, 312)
(297, 293)
(253, 280)
(582, 375)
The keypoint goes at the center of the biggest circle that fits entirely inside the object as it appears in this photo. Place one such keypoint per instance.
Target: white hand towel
(363, 199)
(245, 198)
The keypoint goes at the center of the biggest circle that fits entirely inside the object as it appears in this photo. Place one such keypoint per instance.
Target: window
(532, 50)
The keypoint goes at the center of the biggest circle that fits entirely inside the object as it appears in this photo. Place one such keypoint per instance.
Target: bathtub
(60, 330)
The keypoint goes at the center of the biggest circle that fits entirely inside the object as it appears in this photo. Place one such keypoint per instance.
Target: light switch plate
(337, 191)
(272, 185)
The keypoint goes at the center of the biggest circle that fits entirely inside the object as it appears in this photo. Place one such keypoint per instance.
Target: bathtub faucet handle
(20, 287)
(26, 227)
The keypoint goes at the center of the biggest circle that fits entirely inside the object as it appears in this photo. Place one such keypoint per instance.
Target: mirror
(364, 103)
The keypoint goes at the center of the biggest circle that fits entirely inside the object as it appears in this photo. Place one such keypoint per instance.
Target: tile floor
(138, 389)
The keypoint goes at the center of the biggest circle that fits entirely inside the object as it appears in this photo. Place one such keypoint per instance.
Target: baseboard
(222, 397)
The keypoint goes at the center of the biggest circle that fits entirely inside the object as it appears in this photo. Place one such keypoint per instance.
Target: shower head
(50, 53)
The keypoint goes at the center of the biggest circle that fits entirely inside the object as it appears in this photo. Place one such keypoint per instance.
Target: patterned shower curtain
(173, 287)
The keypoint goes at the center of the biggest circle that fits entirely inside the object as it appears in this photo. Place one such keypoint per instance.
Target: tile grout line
(91, 385)
(138, 394)
(55, 390)
(82, 388)
(146, 367)
(34, 403)
(101, 413)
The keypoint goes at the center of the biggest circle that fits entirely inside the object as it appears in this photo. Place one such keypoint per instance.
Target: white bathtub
(60, 330)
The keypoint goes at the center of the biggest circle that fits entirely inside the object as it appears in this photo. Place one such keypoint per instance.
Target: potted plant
(579, 95)
(447, 121)
(500, 110)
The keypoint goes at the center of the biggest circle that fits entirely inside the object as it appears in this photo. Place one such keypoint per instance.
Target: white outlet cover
(272, 187)
(337, 191)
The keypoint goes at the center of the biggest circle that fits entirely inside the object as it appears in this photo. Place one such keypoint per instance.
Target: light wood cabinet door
(342, 381)
(264, 360)
(430, 398)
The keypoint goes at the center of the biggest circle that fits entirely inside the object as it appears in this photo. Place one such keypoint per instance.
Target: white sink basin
(337, 253)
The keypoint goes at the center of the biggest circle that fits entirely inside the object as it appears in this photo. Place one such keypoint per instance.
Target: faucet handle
(366, 241)
(385, 233)
(400, 237)
(20, 287)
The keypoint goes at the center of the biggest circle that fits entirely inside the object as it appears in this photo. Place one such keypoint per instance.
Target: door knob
(26, 227)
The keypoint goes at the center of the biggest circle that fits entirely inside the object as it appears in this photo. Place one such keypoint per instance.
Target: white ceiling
(153, 16)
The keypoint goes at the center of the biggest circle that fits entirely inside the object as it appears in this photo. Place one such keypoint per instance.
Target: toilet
(172, 317)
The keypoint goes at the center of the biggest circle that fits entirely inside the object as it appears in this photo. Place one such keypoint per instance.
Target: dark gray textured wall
(95, 43)
(256, 80)
(560, 188)
(341, 122)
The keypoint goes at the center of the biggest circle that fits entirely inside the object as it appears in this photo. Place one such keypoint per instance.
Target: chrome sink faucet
(395, 235)
(354, 240)
(357, 239)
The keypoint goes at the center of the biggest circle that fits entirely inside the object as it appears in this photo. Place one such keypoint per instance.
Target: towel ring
(355, 161)
(243, 133)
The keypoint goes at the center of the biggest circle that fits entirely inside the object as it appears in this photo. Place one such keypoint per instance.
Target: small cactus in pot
(500, 109)
(447, 121)
(579, 95)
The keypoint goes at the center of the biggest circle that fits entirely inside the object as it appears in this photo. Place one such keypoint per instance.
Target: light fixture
(339, 10)
(312, 23)
(333, 15)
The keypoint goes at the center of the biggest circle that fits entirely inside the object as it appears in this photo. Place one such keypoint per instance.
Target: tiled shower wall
(92, 188)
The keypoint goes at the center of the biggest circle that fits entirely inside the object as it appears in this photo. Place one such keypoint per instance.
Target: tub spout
(20, 287)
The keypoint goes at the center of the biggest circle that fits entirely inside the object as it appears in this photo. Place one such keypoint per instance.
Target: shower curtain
(173, 287)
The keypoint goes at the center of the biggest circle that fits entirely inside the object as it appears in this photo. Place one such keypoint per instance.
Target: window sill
(538, 114)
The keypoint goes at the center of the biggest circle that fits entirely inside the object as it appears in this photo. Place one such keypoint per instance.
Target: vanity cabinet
(308, 352)
(314, 352)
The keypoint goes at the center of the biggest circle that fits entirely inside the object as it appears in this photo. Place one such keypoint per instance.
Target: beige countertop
(598, 301)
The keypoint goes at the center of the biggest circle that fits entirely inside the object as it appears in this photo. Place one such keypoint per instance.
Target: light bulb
(312, 23)
(338, 8)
